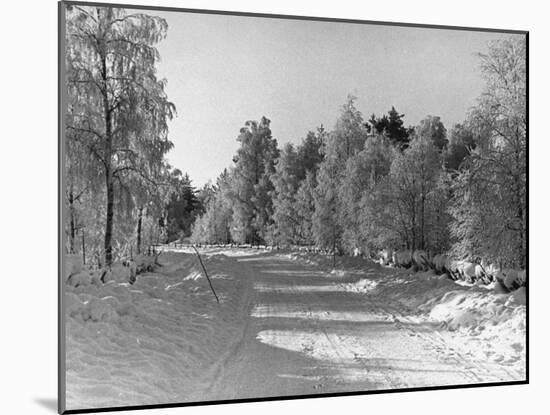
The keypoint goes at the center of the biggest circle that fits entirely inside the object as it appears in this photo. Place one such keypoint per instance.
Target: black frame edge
(294, 397)
(61, 100)
(287, 16)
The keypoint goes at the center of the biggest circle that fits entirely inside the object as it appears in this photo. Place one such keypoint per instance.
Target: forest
(364, 185)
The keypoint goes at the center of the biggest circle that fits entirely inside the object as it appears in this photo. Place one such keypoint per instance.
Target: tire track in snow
(441, 346)
(342, 347)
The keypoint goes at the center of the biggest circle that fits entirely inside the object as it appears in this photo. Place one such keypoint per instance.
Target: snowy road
(307, 334)
(286, 325)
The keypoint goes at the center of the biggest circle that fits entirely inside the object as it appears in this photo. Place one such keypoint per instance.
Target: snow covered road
(286, 325)
(309, 333)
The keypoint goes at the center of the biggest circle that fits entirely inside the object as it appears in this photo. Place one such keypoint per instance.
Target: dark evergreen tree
(391, 126)
(182, 208)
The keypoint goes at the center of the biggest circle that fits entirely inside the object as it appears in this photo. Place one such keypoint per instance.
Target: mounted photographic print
(261, 207)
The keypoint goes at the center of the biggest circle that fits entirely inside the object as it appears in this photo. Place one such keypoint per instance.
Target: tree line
(365, 184)
(374, 184)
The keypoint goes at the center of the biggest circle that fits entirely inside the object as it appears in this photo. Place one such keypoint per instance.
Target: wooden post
(83, 247)
(207, 277)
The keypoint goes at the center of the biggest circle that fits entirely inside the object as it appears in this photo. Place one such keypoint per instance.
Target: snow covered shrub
(101, 309)
(73, 265)
(468, 271)
(402, 259)
(118, 273)
(73, 304)
(126, 309)
(511, 279)
(420, 260)
(82, 278)
(439, 263)
(144, 263)
(385, 256)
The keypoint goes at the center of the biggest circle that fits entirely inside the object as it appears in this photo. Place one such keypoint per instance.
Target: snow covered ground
(287, 324)
(155, 341)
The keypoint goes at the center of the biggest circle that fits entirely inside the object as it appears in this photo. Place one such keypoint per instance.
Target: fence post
(83, 248)
(207, 277)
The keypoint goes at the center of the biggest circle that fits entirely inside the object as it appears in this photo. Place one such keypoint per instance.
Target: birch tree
(118, 107)
(490, 205)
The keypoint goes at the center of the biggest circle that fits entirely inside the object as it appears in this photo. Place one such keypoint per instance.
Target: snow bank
(157, 340)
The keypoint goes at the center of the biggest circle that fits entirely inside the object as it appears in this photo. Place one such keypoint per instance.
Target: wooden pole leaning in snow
(207, 277)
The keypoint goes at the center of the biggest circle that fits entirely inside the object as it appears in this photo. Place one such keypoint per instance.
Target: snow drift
(153, 341)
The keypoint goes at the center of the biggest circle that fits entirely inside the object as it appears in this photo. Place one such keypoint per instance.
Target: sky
(225, 70)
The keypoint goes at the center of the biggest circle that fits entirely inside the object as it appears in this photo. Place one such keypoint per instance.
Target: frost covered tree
(251, 183)
(291, 170)
(363, 172)
(349, 134)
(82, 181)
(214, 225)
(305, 207)
(404, 196)
(327, 229)
(490, 207)
(182, 207)
(433, 129)
(285, 229)
(311, 151)
(461, 142)
(346, 140)
(118, 109)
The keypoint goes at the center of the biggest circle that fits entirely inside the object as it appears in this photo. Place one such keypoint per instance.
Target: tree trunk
(109, 220)
(413, 225)
(140, 216)
(422, 221)
(520, 210)
(109, 179)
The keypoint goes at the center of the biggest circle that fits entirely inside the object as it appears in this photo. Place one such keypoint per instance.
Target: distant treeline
(365, 184)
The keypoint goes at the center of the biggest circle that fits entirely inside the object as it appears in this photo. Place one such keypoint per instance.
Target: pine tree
(182, 207)
(391, 126)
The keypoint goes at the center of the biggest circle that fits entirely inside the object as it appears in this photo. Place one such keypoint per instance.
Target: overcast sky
(225, 70)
